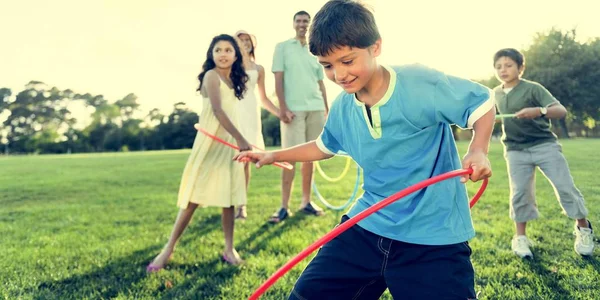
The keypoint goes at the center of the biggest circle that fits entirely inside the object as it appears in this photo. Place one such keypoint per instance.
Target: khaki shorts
(305, 127)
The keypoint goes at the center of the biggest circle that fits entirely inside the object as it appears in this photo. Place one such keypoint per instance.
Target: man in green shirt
(303, 108)
(529, 143)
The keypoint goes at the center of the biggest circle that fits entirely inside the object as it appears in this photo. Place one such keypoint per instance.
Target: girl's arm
(306, 152)
(212, 83)
(266, 102)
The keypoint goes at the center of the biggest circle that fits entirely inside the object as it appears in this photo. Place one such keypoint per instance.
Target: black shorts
(359, 264)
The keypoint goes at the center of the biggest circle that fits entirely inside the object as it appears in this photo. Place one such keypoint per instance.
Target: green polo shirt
(301, 74)
(520, 134)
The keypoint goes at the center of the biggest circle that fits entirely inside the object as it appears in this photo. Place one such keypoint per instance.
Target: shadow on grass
(549, 278)
(118, 276)
(593, 261)
(202, 280)
(259, 239)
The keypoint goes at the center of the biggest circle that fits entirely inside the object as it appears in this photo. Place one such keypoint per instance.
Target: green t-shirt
(301, 75)
(520, 134)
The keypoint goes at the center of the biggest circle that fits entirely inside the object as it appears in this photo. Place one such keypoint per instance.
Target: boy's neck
(511, 84)
(376, 88)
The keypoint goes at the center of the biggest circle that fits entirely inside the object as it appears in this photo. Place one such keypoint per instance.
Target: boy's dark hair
(511, 53)
(342, 23)
(301, 13)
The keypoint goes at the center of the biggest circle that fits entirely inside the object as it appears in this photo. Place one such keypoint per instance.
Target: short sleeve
(461, 101)
(278, 57)
(320, 75)
(543, 96)
(329, 141)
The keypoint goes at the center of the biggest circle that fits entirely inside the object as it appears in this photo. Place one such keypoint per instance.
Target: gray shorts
(552, 163)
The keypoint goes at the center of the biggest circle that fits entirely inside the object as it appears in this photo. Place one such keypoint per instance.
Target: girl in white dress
(249, 108)
(210, 177)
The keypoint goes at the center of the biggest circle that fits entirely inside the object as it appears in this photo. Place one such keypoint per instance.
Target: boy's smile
(350, 68)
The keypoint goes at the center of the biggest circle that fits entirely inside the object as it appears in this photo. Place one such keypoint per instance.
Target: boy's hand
(528, 113)
(260, 158)
(480, 164)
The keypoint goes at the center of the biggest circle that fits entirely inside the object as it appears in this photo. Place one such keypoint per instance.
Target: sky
(155, 49)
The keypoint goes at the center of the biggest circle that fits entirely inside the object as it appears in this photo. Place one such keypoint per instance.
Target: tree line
(40, 119)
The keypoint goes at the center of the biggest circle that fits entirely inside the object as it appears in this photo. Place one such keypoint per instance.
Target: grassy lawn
(85, 226)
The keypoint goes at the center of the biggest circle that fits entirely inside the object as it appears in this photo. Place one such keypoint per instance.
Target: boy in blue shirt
(395, 123)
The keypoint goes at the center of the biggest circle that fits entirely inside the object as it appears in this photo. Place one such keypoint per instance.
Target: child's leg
(241, 211)
(307, 176)
(430, 272)
(228, 222)
(348, 267)
(554, 166)
(183, 219)
(247, 174)
(521, 175)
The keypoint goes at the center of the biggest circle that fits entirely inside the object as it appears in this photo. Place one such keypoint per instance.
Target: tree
(39, 117)
(4, 113)
(178, 132)
(570, 70)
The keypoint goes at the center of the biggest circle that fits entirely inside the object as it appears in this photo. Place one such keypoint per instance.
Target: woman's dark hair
(238, 75)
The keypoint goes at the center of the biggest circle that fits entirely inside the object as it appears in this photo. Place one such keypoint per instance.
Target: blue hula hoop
(345, 205)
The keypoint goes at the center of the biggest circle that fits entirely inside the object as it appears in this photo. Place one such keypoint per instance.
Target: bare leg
(307, 173)
(247, 174)
(521, 228)
(287, 179)
(241, 211)
(183, 219)
(227, 220)
(583, 223)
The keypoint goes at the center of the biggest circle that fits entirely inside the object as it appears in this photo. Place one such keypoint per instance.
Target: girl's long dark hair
(238, 75)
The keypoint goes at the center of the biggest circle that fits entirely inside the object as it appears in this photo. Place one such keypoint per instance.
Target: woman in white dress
(249, 108)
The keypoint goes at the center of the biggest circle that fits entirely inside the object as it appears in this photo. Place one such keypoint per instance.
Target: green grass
(85, 226)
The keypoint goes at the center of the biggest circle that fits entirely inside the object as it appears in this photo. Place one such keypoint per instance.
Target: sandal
(241, 213)
(311, 209)
(280, 215)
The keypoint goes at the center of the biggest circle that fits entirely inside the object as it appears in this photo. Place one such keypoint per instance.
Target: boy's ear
(376, 48)
(521, 69)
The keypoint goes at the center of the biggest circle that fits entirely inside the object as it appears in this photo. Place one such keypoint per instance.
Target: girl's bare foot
(232, 257)
(160, 261)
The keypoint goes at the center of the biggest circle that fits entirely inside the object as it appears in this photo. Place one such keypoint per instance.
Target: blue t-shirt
(410, 140)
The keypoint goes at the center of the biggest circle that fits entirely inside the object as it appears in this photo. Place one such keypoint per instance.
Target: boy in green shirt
(529, 143)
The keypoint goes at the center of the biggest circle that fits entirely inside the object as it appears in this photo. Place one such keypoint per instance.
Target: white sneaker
(584, 240)
(520, 246)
